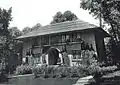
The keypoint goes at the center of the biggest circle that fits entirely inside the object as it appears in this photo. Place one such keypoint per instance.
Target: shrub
(79, 71)
(108, 69)
(24, 69)
(39, 69)
(60, 71)
(98, 71)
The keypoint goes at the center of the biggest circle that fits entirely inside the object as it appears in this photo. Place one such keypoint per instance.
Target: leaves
(66, 16)
(15, 32)
(109, 11)
(5, 18)
(28, 29)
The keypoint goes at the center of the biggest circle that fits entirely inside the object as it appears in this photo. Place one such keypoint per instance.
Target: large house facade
(70, 35)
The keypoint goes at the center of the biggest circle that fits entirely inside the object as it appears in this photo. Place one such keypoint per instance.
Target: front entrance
(53, 55)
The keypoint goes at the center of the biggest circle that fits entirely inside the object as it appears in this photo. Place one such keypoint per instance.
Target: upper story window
(54, 39)
(45, 40)
(67, 38)
(76, 37)
(63, 38)
(35, 41)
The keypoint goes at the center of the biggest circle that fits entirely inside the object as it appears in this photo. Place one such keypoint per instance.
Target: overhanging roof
(59, 28)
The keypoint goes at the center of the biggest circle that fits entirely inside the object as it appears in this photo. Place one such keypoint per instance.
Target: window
(74, 37)
(67, 38)
(45, 40)
(78, 36)
(54, 39)
(35, 41)
(63, 38)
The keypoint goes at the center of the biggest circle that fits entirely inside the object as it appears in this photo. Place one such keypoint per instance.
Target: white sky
(30, 12)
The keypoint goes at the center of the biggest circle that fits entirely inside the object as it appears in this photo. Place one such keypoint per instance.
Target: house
(68, 35)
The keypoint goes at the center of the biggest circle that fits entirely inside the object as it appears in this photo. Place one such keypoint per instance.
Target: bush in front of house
(98, 71)
(108, 69)
(53, 71)
(24, 69)
(60, 71)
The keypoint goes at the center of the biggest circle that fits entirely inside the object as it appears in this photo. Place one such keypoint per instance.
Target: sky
(27, 13)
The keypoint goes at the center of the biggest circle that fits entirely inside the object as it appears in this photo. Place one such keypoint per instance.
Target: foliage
(108, 69)
(24, 69)
(61, 71)
(15, 32)
(36, 27)
(15, 45)
(108, 9)
(93, 67)
(109, 12)
(53, 71)
(5, 18)
(66, 16)
(28, 29)
(39, 69)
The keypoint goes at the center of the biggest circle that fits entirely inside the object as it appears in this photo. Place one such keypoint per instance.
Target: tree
(109, 11)
(15, 32)
(69, 16)
(28, 29)
(36, 27)
(15, 48)
(66, 16)
(13, 43)
(5, 18)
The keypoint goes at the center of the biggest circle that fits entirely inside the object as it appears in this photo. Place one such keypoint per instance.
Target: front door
(53, 55)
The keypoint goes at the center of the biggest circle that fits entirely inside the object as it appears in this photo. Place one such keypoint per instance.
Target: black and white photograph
(59, 42)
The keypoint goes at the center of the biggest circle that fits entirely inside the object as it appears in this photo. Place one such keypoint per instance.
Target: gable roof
(59, 28)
